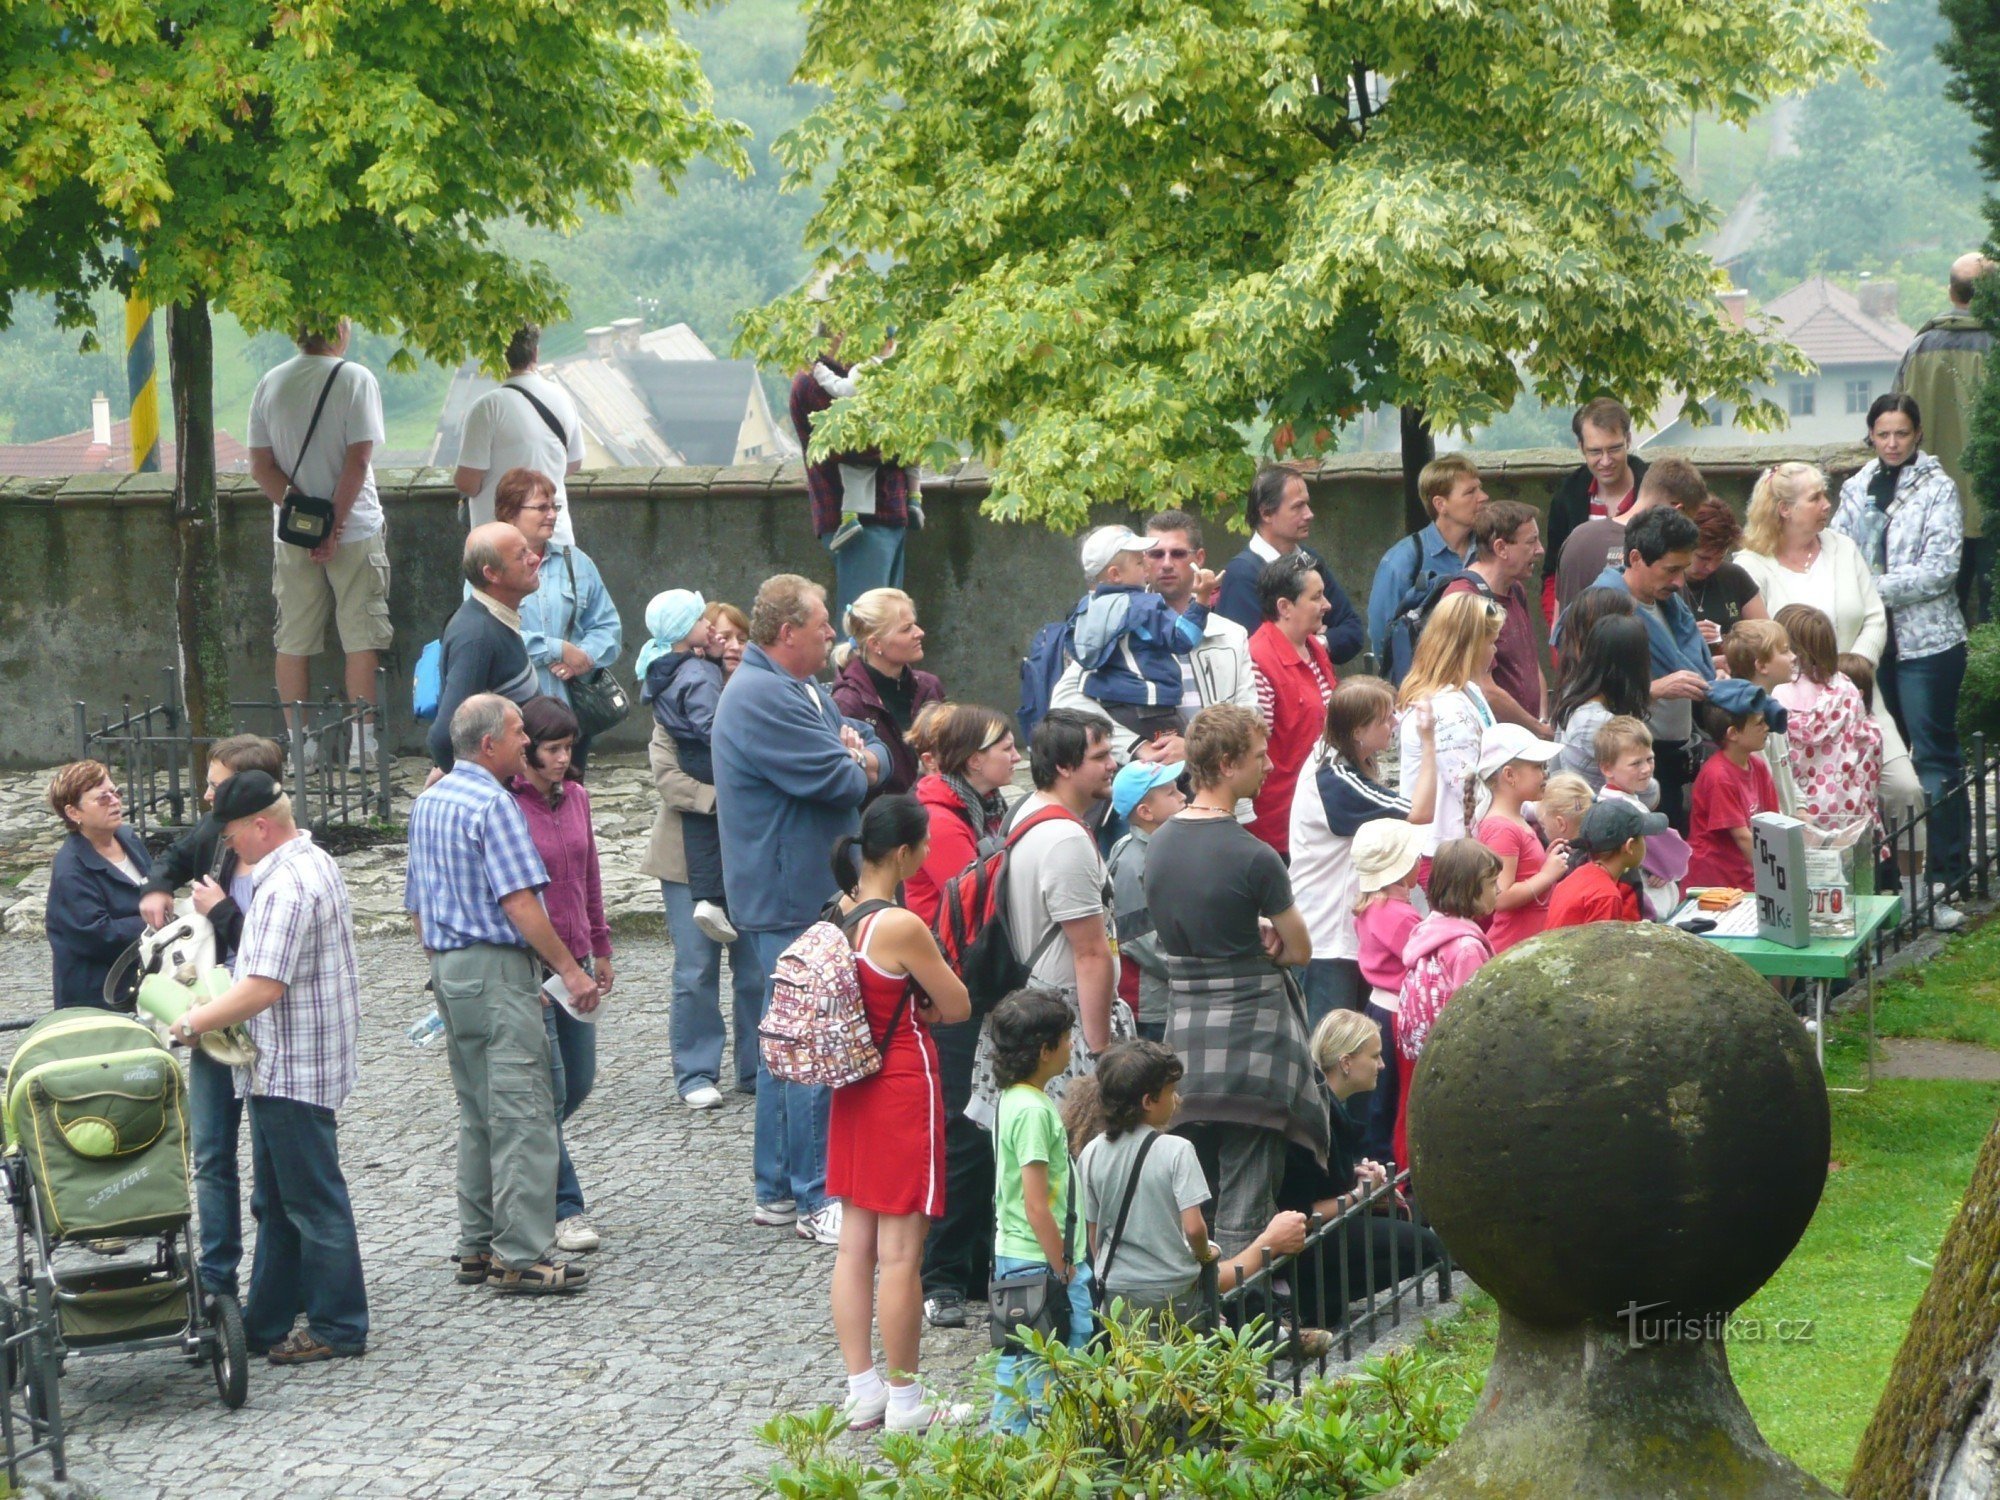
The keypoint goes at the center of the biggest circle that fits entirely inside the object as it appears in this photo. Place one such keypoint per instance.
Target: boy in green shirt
(1035, 1218)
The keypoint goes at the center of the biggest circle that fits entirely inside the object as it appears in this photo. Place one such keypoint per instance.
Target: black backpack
(1413, 612)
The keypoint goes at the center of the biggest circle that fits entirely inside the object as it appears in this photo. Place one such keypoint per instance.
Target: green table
(1820, 961)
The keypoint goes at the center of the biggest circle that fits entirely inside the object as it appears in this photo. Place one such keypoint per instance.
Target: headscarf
(669, 617)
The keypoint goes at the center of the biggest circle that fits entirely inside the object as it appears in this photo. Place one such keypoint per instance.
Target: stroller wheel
(229, 1354)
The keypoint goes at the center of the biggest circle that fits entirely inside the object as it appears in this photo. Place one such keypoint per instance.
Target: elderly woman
(96, 885)
(557, 809)
(569, 623)
(877, 681)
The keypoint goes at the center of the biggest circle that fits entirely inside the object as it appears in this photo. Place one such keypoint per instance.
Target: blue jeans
(695, 1024)
(215, 1117)
(790, 1149)
(1331, 984)
(1024, 1368)
(569, 1192)
(308, 1259)
(873, 560)
(1926, 700)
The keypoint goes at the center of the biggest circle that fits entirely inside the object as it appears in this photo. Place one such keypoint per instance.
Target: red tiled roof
(1828, 325)
(78, 453)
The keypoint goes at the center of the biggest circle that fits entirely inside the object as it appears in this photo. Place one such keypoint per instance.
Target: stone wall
(88, 610)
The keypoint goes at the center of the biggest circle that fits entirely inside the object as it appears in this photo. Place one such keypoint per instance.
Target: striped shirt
(299, 930)
(469, 847)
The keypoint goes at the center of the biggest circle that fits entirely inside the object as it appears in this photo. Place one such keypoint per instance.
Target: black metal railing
(1908, 842)
(1326, 1265)
(154, 756)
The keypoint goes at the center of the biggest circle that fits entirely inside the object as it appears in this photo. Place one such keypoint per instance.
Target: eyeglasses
(1615, 451)
(547, 508)
(1174, 554)
(106, 797)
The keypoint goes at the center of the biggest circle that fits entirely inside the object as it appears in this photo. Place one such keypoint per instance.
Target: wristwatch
(184, 1031)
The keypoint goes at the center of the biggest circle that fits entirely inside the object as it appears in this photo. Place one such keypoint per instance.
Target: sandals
(544, 1278)
(473, 1270)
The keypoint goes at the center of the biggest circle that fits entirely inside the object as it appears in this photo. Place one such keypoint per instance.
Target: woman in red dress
(885, 1136)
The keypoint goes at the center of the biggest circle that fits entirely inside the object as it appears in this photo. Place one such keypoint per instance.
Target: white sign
(1784, 901)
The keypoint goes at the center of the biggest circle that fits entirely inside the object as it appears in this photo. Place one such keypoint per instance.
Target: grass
(1904, 1152)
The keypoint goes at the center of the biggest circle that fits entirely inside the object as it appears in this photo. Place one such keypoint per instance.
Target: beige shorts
(352, 590)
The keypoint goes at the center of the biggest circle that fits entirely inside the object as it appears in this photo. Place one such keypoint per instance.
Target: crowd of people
(1244, 885)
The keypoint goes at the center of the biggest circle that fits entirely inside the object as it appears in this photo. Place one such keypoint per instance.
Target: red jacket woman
(1295, 678)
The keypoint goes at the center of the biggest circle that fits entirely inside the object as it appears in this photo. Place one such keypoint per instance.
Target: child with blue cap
(1145, 796)
(683, 685)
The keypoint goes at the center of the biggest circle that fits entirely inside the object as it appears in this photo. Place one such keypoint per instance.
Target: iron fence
(156, 757)
(1908, 845)
(1321, 1279)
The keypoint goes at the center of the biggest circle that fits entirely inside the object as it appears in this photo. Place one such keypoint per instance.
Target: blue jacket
(1677, 644)
(93, 916)
(1345, 632)
(1127, 641)
(785, 790)
(1402, 565)
(546, 616)
(684, 690)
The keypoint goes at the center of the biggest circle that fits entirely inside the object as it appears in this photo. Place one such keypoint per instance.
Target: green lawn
(1904, 1152)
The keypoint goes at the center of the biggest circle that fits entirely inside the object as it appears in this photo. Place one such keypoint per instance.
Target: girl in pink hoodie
(1446, 949)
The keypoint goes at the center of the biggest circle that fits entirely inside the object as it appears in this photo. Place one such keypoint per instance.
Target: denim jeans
(790, 1149)
(1331, 984)
(569, 1192)
(695, 1024)
(1923, 693)
(215, 1118)
(1025, 1369)
(308, 1258)
(873, 560)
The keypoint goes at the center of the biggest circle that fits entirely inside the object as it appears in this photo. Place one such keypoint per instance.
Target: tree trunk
(1934, 1429)
(198, 595)
(1419, 448)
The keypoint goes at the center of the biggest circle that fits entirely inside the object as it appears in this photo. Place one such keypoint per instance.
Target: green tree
(1112, 234)
(304, 160)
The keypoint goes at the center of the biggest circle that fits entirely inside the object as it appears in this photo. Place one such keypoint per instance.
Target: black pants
(1378, 1139)
(1975, 579)
(579, 756)
(1674, 768)
(958, 1255)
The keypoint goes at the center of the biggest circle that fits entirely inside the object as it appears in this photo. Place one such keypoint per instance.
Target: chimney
(597, 341)
(1879, 299)
(626, 331)
(100, 421)
(1736, 305)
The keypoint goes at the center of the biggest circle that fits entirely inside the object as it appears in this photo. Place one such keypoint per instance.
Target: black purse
(596, 698)
(1032, 1301)
(305, 520)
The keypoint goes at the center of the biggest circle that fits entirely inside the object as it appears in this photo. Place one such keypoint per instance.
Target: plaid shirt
(300, 931)
(469, 846)
(894, 485)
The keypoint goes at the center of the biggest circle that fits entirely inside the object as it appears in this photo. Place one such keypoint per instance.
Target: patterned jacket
(1913, 549)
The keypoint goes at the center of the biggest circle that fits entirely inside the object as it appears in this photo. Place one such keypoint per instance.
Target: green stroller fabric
(96, 1106)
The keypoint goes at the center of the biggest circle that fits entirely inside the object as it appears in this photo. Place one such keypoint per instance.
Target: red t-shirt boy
(1733, 786)
(1614, 836)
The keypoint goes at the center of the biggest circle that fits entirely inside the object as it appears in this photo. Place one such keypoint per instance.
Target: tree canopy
(1118, 239)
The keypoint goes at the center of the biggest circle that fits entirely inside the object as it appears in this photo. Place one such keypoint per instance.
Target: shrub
(1979, 699)
(1146, 1414)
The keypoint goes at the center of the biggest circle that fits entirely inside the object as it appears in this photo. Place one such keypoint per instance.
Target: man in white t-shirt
(529, 422)
(346, 577)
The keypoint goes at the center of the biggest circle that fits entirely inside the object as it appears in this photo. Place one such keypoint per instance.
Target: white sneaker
(576, 1237)
(822, 1225)
(860, 1413)
(930, 1411)
(704, 1096)
(1945, 918)
(361, 748)
(713, 923)
(775, 1215)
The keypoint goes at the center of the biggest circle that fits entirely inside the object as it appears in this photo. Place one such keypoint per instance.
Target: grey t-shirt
(1153, 1258)
(1054, 875)
(1208, 880)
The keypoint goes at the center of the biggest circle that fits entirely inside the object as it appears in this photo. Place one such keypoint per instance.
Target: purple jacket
(568, 847)
(854, 694)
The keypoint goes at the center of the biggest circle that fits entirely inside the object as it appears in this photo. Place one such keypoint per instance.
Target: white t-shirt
(502, 432)
(281, 411)
(1054, 875)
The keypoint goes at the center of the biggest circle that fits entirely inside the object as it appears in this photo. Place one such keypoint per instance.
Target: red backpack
(971, 921)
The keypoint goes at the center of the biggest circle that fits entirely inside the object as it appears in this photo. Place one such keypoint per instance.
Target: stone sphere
(1618, 1115)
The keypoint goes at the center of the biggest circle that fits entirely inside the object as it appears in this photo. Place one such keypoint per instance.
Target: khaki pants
(507, 1141)
(351, 590)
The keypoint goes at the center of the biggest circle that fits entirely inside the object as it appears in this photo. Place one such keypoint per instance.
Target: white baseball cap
(1104, 544)
(1503, 744)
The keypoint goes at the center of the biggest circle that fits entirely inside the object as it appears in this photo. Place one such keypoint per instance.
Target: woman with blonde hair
(1456, 649)
(876, 679)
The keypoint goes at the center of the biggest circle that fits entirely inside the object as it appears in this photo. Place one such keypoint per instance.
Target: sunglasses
(1174, 554)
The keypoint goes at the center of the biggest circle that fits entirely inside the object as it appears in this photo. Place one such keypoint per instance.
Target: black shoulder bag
(305, 520)
(547, 415)
(1101, 1272)
(1032, 1301)
(596, 698)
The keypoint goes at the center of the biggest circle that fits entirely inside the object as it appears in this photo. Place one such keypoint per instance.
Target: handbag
(596, 698)
(1035, 1301)
(305, 520)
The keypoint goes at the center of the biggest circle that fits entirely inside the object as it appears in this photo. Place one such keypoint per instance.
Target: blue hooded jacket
(1676, 640)
(684, 689)
(1127, 641)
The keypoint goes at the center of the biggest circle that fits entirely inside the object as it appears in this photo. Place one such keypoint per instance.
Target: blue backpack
(427, 682)
(1041, 670)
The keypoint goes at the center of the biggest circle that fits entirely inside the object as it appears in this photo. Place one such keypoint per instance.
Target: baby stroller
(96, 1171)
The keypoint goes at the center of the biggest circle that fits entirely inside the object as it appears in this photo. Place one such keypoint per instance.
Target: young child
(1444, 951)
(1613, 841)
(1386, 854)
(1034, 1213)
(1625, 757)
(1565, 798)
(1733, 787)
(1155, 1263)
(1128, 641)
(1836, 745)
(1760, 652)
(1145, 796)
(683, 685)
(1515, 765)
